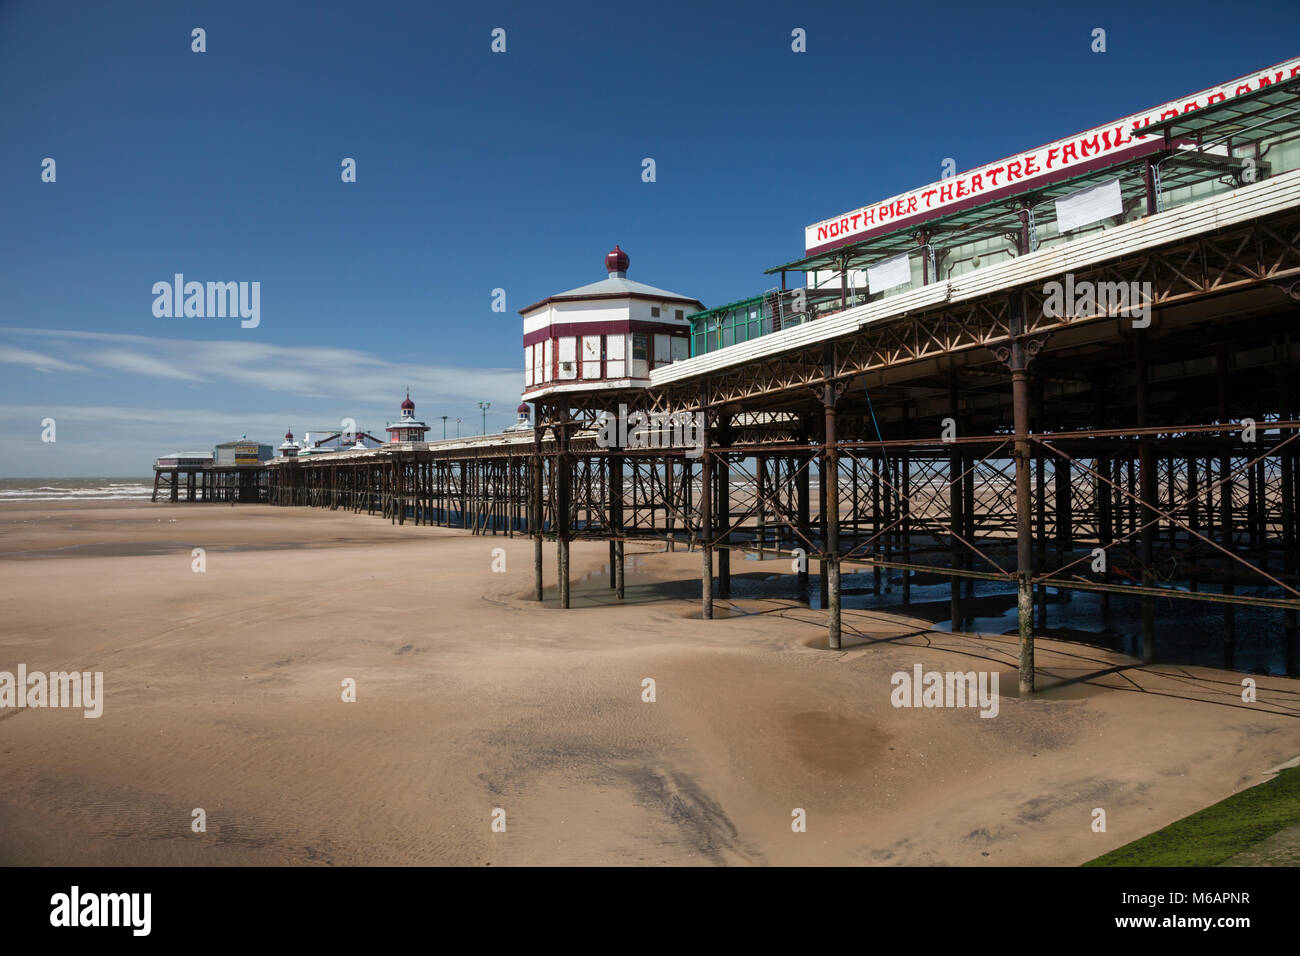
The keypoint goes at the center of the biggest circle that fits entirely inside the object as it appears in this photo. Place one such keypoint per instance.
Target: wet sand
(223, 691)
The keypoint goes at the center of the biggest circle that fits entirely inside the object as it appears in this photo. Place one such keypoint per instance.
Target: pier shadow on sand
(1187, 632)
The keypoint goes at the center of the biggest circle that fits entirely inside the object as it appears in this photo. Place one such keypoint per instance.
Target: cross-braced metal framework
(994, 443)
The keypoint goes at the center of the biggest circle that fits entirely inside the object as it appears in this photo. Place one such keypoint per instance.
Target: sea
(75, 489)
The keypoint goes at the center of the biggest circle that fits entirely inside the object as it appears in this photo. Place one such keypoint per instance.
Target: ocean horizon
(105, 488)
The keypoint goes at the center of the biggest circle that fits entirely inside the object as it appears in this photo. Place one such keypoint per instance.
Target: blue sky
(475, 171)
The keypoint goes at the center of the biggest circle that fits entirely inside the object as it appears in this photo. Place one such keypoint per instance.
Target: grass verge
(1211, 836)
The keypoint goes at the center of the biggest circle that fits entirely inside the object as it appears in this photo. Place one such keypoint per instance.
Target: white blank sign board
(1089, 205)
(891, 272)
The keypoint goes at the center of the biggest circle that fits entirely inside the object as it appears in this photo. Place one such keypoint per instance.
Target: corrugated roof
(616, 286)
(612, 288)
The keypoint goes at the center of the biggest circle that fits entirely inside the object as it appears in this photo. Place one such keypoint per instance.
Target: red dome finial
(616, 262)
(408, 404)
(288, 436)
(523, 409)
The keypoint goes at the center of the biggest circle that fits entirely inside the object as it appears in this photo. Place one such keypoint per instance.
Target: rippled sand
(223, 692)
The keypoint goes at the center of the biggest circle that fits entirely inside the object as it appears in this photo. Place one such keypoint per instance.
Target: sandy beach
(222, 691)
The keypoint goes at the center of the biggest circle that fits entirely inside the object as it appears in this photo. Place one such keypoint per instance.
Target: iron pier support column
(955, 502)
(561, 478)
(1038, 421)
(830, 484)
(1147, 492)
(535, 503)
(877, 519)
(616, 520)
(1225, 510)
(1018, 357)
(723, 509)
(905, 501)
(823, 573)
(706, 509)
(1286, 411)
(804, 504)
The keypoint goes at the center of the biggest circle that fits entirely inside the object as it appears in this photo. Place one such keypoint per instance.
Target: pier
(968, 427)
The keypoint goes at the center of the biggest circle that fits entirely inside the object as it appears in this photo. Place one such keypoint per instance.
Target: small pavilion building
(406, 428)
(610, 333)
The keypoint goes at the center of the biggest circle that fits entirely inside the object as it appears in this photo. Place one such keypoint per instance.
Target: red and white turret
(607, 334)
(408, 427)
(288, 449)
(524, 422)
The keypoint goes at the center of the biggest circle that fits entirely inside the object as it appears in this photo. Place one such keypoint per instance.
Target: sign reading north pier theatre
(1018, 172)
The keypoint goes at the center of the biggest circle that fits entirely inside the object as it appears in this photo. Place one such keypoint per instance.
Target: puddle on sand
(835, 743)
(1187, 632)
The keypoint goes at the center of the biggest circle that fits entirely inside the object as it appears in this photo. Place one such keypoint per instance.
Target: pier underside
(209, 483)
(989, 448)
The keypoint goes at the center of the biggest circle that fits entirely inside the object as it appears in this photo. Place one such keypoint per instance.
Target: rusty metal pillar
(1286, 411)
(1254, 502)
(534, 502)
(1225, 509)
(1018, 356)
(877, 521)
(616, 520)
(830, 484)
(706, 509)
(1040, 498)
(802, 491)
(1064, 522)
(955, 502)
(722, 509)
(560, 475)
(1148, 493)
(905, 502)
(969, 513)
(1193, 520)
(823, 573)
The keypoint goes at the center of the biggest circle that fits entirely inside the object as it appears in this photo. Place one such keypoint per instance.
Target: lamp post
(458, 428)
(444, 427)
(484, 406)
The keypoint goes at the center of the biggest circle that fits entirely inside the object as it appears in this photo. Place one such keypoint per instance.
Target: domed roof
(288, 436)
(408, 404)
(616, 262)
(523, 409)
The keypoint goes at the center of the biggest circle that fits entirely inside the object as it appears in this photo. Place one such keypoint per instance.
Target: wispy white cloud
(306, 371)
(37, 361)
(138, 363)
(250, 387)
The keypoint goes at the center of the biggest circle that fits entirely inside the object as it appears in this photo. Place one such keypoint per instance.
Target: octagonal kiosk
(608, 334)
